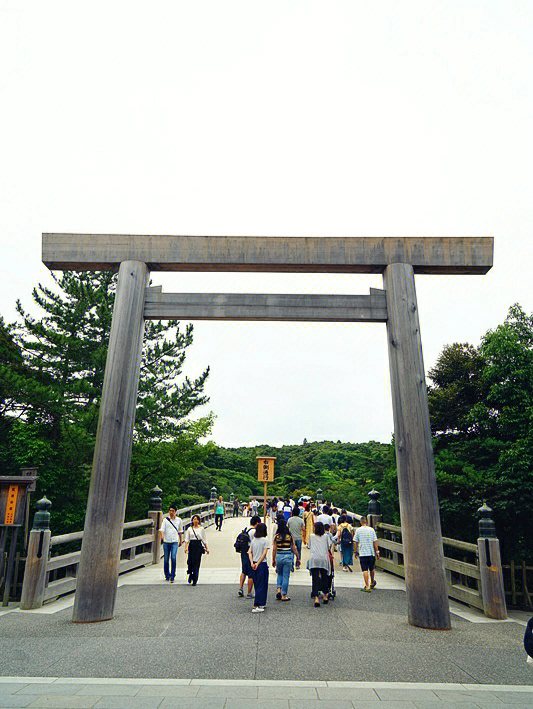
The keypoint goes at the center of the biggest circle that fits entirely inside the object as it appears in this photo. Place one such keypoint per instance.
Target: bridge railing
(476, 579)
(46, 577)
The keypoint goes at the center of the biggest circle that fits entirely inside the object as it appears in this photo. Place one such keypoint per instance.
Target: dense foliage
(481, 409)
(51, 377)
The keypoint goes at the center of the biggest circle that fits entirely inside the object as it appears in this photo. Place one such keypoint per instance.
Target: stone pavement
(207, 637)
(57, 693)
(207, 632)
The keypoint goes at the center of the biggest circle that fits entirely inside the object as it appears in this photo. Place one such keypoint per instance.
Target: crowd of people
(321, 528)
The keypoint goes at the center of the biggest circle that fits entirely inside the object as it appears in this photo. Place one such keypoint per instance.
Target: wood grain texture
(245, 306)
(102, 537)
(315, 254)
(35, 570)
(492, 587)
(421, 532)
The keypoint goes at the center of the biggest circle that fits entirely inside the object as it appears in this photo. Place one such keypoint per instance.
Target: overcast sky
(289, 118)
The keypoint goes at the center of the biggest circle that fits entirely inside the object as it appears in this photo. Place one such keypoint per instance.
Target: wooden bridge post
(425, 580)
(156, 514)
(490, 567)
(100, 552)
(35, 571)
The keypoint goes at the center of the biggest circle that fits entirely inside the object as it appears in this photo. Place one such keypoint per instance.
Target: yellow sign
(12, 495)
(265, 469)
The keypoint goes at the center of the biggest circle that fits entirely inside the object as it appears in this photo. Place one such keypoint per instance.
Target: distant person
(273, 509)
(259, 547)
(320, 564)
(281, 504)
(309, 522)
(287, 510)
(171, 531)
(195, 547)
(366, 547)
(325, 516)
(254, 506)
(345, 533)
(242, 546)
(291, 503)
(296, 528)
(283, 553)
(219, 513)
(236, 507)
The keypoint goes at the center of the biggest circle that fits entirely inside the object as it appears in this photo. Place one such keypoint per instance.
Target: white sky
(292, 117)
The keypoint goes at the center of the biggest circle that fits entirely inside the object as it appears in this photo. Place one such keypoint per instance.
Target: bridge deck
(208, 633)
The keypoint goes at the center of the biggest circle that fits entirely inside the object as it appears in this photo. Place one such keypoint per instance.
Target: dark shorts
(246, 567)
(367, 563)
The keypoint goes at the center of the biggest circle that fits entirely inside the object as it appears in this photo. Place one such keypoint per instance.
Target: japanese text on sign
(12, 496)
(265, 469)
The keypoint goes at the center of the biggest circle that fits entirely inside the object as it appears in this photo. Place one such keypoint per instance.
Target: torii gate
(398, 259)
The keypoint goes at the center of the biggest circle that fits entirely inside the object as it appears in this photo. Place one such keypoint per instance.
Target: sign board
(265, 469)
(13, 496)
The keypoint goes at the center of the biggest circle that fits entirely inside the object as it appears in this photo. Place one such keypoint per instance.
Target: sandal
(284, 600)
(317, 604)
(278, 595)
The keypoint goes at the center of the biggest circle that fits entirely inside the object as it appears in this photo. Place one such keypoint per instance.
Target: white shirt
(325, 519)
(169, 533)
(281, 505)
(200, 534)
(254, 505)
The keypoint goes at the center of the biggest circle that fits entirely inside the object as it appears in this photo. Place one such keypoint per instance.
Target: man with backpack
(242, 546)
(171, 531)
(345, 540)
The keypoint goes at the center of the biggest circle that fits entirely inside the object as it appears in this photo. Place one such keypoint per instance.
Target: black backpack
(346, 537)
(242, 543)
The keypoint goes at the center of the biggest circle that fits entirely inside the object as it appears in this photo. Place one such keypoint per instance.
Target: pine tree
(65, 350)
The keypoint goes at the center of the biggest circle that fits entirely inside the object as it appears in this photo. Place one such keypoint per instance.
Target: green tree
(66, 349)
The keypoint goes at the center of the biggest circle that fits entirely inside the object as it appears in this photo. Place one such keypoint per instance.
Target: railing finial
(41, 520)
(155, 499)
(374, 505)
(487, 528)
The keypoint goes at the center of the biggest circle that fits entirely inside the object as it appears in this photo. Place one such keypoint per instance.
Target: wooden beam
(244, 306)
(437, 255)
(99, 566)
(425, 580)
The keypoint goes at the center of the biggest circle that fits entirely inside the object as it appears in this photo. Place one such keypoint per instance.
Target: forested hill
(345, 472)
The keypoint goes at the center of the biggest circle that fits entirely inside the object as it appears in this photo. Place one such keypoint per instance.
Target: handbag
(199, 540)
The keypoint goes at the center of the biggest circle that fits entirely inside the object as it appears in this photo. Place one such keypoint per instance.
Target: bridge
(170, 644)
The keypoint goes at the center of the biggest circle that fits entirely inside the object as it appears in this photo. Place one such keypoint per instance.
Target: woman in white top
(195, 546)
(320, 563)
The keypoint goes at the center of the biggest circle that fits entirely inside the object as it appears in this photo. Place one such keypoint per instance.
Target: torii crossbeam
(398, 259)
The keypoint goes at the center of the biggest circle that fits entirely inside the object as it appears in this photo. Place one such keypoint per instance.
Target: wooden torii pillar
(398, 259)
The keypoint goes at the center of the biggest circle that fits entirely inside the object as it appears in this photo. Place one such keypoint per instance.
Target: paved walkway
(164, 632)
(204, 694)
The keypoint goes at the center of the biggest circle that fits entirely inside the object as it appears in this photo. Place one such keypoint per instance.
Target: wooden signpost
(399, 259)
(265, 472)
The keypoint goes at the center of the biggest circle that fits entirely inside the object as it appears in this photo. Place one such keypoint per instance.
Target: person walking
(320, 564)
(345, 533)
(195, 547)
(283, 552)
(366, 548)
(287, 510)
(243, 547)
(296, 527)
(219, 513)
(254, 506)
(236, 507)
(259, 547)
(171, 532)
(309, 521)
